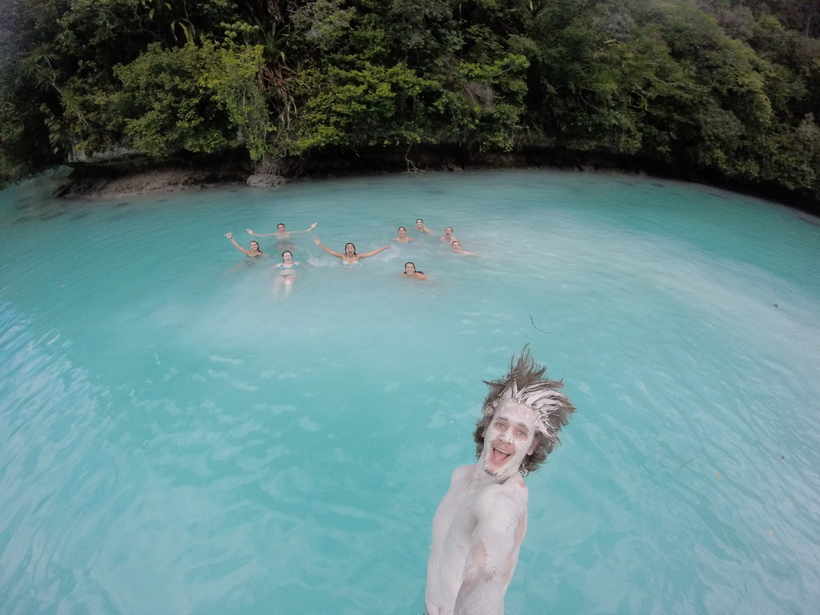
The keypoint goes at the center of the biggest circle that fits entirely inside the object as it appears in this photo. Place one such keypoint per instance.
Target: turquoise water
(175, 437)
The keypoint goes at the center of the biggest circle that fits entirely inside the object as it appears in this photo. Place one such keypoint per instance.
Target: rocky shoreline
(135, 175)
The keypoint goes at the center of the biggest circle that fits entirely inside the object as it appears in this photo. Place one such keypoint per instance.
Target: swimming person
(481, 521)
(421, 228)
(282, 235)
(448, 235)
(403, 237)
(287, 273)
(410, 272)
(456, 245)
(254, 247)
(350, 257)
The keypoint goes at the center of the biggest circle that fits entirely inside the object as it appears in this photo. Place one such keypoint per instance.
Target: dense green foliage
(729, 87)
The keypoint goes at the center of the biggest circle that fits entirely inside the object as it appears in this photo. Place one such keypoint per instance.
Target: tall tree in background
(27, 72)
(729, 87)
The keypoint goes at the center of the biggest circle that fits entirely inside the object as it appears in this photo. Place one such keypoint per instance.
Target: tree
(166, 104)
(233, 76)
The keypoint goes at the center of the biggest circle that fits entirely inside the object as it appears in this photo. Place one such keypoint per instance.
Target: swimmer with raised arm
(448, 236)
(410, 272)
(254, 247)
(350, 256)
(421, 228)
(403, 236)
(282, 235)
(456, 245)
(481, 521)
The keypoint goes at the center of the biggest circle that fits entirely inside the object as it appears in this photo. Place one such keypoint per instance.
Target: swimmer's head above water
(411, 272)
(287, 256)
(403, 236)
(254, 246)
(526, 385)
(456, 245)
(349, 256)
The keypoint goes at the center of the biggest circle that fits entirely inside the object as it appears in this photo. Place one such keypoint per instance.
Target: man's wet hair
(526, 384)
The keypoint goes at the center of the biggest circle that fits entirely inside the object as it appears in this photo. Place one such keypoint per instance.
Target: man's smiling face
(509, 439)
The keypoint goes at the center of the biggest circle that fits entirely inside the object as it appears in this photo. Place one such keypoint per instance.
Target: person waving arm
(326, 249)
(372, 252)
(254, 251)
(308, 229)
(250, 232)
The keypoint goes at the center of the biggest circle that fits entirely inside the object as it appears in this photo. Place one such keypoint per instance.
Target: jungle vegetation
(728, 87)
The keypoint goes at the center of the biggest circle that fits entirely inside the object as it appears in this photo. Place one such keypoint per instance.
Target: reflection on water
(175, 439)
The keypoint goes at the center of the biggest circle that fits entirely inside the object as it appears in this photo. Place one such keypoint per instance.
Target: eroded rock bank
(133, 175)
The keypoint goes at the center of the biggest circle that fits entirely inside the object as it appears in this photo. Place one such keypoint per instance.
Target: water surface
(175, 438)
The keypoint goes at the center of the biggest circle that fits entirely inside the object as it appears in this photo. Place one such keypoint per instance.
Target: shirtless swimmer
(479, 525)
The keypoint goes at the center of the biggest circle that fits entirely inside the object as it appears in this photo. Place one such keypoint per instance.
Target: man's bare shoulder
(462, 474)
(511, 496)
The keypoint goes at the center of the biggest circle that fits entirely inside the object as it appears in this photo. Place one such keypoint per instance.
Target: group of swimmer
(348, 257)
(448, 238)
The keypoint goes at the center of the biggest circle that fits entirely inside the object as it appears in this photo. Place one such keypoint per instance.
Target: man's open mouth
(498, 456)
